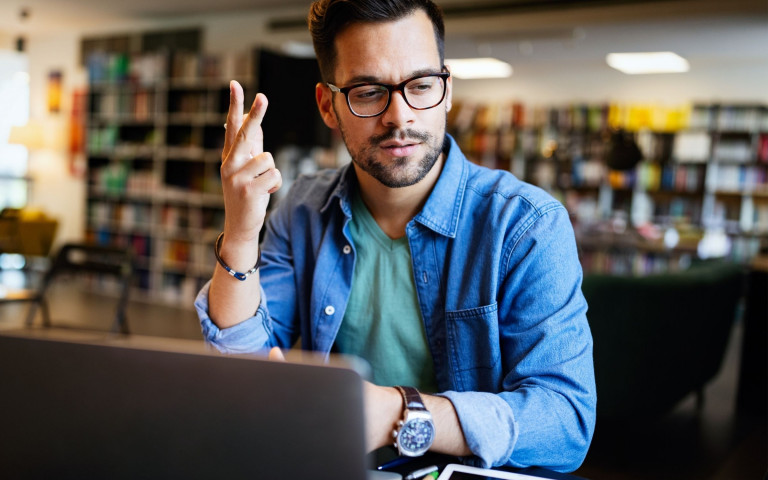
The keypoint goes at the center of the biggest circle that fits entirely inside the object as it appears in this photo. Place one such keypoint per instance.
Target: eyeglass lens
(419, 93)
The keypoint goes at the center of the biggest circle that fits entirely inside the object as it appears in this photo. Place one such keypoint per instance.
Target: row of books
(176, 252)
(744, 249)
(176, 219)
(140, 245)
(738, 178)
(110, 137)
(195, 101)
(470, 115)
(631, 263)
(500, 116)
(138, 214)
(758, 223)
(221, 67)
(734, 118)
(653, 177)
(181, 289)
(193, 257)
(741, 219)
(115, 68)
(126, 216)
(114, 140)
(738, 151)
(587, 173)
(737, 118)
(116, 179)
(152, 68)
(172, 287)
(139, 104)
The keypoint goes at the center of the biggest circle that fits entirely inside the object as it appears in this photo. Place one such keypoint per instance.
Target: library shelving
(646, 185)
(154, 139)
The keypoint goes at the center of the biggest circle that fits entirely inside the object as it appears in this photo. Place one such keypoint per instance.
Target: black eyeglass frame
(444, 74)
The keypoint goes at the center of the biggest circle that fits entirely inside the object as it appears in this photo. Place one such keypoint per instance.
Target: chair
(28, 234)
(661, 337)
(88, 259)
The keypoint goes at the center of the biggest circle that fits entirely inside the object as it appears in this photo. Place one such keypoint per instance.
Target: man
(445, 276)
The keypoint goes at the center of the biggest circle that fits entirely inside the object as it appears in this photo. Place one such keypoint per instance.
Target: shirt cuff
(250, 336)
(488, 424)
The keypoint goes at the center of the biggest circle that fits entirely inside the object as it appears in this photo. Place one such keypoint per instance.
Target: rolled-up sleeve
(250, 336)
(477, 411)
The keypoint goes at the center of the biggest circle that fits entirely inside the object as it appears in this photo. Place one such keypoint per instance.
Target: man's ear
(324, 98)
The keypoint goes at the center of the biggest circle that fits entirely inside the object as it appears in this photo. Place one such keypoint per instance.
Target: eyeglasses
(372, 99)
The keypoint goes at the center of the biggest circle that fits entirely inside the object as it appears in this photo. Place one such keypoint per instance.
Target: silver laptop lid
(76, 409)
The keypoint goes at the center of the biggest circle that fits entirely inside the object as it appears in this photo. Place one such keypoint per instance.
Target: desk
(387, 454)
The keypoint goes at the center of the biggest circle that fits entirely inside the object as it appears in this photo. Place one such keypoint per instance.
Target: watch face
(417, 435)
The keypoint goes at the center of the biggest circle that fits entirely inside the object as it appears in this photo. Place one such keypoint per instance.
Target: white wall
(6, 41)
(56, 190)
(60, 193)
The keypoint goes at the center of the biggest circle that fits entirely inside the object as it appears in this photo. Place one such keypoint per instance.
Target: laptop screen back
(86, 410)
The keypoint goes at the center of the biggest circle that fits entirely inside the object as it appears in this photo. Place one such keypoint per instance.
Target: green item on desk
(423, 473)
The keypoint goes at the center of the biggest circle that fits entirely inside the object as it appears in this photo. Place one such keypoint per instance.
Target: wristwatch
(415, 433)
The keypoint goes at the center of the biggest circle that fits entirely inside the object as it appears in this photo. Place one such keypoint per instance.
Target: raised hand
(248, 173)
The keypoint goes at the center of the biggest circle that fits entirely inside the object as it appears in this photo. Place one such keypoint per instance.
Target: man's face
(399, 147)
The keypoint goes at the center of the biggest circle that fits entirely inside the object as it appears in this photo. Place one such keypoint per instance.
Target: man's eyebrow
(373, 79)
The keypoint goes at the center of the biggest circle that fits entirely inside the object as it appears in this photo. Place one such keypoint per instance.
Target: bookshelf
(154, 139)
(701, 171)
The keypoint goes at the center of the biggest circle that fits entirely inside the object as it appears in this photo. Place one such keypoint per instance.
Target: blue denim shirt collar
(441, 211)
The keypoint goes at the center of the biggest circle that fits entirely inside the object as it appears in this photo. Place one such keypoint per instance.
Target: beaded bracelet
(238, 275)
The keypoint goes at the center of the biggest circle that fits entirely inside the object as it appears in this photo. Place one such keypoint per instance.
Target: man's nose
(399, 113)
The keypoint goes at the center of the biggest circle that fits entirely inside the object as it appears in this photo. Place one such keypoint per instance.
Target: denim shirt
(499, 286)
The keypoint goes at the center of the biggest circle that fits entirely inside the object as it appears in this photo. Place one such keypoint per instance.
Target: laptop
(76, 408)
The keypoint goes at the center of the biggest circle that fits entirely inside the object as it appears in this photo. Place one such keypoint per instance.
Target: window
(14, 103)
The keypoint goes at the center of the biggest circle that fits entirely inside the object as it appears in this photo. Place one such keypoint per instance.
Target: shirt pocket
(473, 337)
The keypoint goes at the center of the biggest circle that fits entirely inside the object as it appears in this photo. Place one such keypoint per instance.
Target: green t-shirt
(382, 322)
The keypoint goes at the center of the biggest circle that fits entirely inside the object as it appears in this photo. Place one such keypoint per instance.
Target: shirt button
(329, 310)
(347, 250)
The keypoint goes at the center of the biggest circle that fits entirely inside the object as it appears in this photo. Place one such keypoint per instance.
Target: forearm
(231, 301)
(248, 178)
(384, 408)
(449, 437)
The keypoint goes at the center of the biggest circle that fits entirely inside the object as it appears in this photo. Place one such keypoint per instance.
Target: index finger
(234, 116)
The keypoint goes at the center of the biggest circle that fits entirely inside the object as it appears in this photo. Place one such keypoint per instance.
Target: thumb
(276, 354)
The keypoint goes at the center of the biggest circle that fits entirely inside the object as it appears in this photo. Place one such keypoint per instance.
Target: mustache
(400, 134)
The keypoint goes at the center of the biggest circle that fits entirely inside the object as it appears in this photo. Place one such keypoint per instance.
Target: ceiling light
(473, 68)
(647, 62)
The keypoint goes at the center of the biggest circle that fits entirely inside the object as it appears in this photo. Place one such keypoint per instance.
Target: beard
(401, 171)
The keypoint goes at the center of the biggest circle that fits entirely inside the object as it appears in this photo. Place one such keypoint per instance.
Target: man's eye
(366, 94)
(421, 86)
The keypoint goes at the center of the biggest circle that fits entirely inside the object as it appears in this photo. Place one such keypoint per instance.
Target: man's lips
(400, 149)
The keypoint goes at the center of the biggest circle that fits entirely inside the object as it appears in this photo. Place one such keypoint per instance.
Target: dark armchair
(661, 337)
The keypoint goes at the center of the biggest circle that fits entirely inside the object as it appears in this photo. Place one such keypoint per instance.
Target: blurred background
(110, 134)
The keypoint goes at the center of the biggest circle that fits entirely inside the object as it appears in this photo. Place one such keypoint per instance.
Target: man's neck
(393, 208)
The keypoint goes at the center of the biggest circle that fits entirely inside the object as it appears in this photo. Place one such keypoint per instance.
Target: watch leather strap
(412, 398)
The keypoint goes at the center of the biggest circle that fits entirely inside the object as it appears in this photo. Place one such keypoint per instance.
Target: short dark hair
(328, 17)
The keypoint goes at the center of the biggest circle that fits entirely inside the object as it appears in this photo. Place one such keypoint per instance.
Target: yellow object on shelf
(26, 232)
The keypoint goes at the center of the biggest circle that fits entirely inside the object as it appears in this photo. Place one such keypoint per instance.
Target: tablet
(454, 471)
